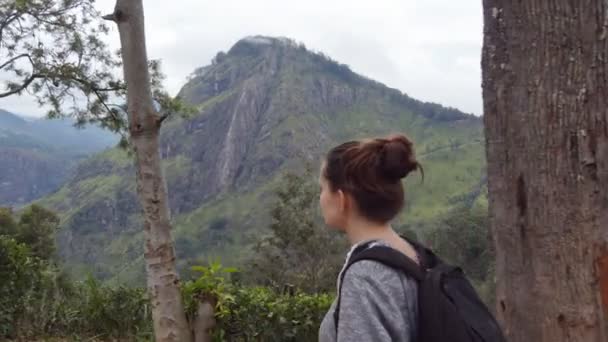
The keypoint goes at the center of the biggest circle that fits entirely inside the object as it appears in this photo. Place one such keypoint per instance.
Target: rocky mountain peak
(265, 106)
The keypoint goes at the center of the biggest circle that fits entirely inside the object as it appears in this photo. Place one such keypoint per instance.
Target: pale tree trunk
(545, 90)
(144, 127)
(204, 322)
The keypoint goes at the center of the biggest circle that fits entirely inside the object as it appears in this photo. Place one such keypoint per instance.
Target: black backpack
(449, 309)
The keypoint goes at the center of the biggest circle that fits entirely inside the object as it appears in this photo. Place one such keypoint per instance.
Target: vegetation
(37, 299)
(252, 312)
(54, 50)
(462, 238)
(264, 314)
(299, 252)
(262, 302)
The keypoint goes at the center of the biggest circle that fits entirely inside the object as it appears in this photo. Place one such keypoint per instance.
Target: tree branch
(100, 98)
(117, 16)
(62, 10)
(58, 24)
(25, 84)
(6, 22)
(14, 59)
(90, 85)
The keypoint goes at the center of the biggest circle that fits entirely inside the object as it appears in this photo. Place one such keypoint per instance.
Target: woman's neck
(360, 230)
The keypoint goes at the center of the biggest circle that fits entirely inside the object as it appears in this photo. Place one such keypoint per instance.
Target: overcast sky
(429, 49)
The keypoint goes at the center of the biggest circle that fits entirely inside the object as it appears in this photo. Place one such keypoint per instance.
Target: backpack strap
(392, 258)
(385, 255)
(428, 259)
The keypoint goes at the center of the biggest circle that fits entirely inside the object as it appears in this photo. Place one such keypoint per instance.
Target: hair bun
(397, 159)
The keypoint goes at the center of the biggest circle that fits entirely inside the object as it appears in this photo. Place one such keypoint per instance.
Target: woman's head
(363, 178)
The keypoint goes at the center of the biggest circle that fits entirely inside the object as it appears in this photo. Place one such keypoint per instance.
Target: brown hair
(371, 171)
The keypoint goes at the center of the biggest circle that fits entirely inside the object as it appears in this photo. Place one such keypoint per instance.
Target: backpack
(449, 308)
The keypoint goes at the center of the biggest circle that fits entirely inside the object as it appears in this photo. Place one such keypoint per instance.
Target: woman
(361, 192)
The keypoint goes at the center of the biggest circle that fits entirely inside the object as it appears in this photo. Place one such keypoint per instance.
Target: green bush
(36, 300)
(256, 313)
(108, 311)
(18, 271)
(262, 314)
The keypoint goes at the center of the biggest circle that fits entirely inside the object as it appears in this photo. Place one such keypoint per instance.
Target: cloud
(429, 49)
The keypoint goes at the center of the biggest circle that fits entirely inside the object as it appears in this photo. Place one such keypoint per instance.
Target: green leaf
(202, 269)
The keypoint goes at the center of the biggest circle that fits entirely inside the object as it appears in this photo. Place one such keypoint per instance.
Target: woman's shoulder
(374, 272)
(363, 268)
(380, 291)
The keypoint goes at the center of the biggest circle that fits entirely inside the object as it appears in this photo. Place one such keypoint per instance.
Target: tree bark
(170, 322)
(204, 322)
(545, 91)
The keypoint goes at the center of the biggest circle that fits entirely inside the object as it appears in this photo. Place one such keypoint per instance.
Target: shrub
(256, 313)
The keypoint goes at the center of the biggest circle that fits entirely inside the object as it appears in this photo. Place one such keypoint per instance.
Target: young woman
(361, 192)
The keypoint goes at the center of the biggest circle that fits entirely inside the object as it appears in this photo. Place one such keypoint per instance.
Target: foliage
(58, 308)
(262, 314)
(8, 226)
(36, 298)
(210, 285)
(37, 302)
(300, 251)
(54, 50)
(255, 313)
(37, 227)
(17, 270)
(108, 311)
(463, 238)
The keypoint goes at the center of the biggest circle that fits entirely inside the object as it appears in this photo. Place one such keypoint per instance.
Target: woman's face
(332, 205)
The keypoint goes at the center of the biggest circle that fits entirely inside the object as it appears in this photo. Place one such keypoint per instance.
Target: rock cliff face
(266, 106)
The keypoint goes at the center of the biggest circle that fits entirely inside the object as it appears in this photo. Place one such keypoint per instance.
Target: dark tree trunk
(545, 90)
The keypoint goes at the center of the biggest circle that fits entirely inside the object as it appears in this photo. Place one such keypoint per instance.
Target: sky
(429, 49)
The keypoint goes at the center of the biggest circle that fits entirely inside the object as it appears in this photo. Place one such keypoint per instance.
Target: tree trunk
(545, 91)
(144, 127)
(204, 322)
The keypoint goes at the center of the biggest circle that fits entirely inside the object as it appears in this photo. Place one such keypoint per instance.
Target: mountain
(37, 154)
(266, 106)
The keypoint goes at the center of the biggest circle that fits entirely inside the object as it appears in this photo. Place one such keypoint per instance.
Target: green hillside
(266, 106)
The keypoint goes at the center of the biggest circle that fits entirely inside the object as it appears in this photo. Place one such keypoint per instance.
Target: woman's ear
(343, 202)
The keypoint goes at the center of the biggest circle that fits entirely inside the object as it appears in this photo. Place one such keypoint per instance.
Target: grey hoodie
(377, 303)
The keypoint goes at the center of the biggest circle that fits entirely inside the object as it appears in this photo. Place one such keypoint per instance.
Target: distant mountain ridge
(59, 134)
(37, 154)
